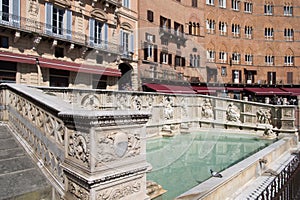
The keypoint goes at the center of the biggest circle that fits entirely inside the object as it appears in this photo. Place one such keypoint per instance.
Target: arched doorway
(125, 82)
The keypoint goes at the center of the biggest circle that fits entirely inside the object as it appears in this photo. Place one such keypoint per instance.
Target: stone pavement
(20, 177)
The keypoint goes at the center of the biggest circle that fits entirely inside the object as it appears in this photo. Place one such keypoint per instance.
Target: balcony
(173, 35)
(47, 30)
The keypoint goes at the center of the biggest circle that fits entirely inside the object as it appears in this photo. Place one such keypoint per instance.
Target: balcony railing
(32, 26)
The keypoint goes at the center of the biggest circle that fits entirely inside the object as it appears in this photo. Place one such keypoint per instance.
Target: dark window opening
(150, 15)
(99, 81)
(59, 52)
(99, 59)
(59, 78)
(4, 42)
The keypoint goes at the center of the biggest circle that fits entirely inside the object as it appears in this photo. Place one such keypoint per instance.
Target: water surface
(181, 162)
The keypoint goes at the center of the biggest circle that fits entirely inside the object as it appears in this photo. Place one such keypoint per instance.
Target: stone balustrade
(86, 154)
(177, 113)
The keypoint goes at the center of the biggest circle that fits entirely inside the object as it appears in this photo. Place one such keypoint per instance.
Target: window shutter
(183, 61)
(16, 13)
(155, 53)
(131, 45)
(105, 35)
(145, 51)
(121, 41)
(170, 59)
(69, 24)
(161, 57)
(92, 30)
(48, 17)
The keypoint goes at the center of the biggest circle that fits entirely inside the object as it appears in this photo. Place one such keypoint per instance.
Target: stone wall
(85, 154)
(174, 113)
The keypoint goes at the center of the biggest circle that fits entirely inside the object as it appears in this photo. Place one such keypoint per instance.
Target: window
(179, 61)
(125, 42)
(210, 2)
(269, 33)
(271, 77)
(8, 71)
(5, 10)
(210, 26)
(222, 3)
(288, 34)
(194, 60)
(98, 32)
(99, 81)
(165, 23)
(268, 9)
(223, 71)
(248, 7)
(194, 3)
(59, 52)
(289, 77)
(222, 28)
(4, 42)
(236, 30)
(269, 60)
(57, 20)
(223, 57)
(211, 55)
(194, 28)
(178, 29)
(288, 10)
(288, 60)
(126, 3)
(236, 58)
(99, 59)
(235, 5)
(249, 59)
(59, 78)
(236, 76)
(164, 58)
(150, 15)
(248, 32)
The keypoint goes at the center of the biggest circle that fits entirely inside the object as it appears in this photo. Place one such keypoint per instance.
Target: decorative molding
(120, 191)
(117, 145)
(62, 3)
(99, 15)
(77, 191)
(78, 147)
(126, 26)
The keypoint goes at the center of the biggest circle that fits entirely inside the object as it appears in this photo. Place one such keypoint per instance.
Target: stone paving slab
(20, 177)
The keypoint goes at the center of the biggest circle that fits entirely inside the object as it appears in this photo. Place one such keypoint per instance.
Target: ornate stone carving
(90, 101)
(207, 111)
(122, 101)
(264, 116)
(77, 191)
(168, 108)
(117, 145)
(33, 7)
(120, 191)
(136, 102)
(232, 113)
(78, 147)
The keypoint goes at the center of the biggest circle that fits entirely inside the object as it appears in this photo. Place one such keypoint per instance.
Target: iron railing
(285, 185)
(32, 26)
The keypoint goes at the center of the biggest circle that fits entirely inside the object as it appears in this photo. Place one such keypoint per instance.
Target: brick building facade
(239, 42)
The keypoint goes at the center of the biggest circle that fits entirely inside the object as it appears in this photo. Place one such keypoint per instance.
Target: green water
(182, 162)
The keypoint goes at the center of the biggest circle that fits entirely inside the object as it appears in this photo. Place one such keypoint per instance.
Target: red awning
(14, 57)
(267, 91)
(77, 67)
(234, 89)
(293, 91)
(204, 90)
(170, 88)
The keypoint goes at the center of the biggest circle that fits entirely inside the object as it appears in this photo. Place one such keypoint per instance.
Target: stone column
(106, 156)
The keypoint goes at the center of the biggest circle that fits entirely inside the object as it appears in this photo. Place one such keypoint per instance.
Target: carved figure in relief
(264, 116)
(232, 113)
(207, 111)
(168, 108)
